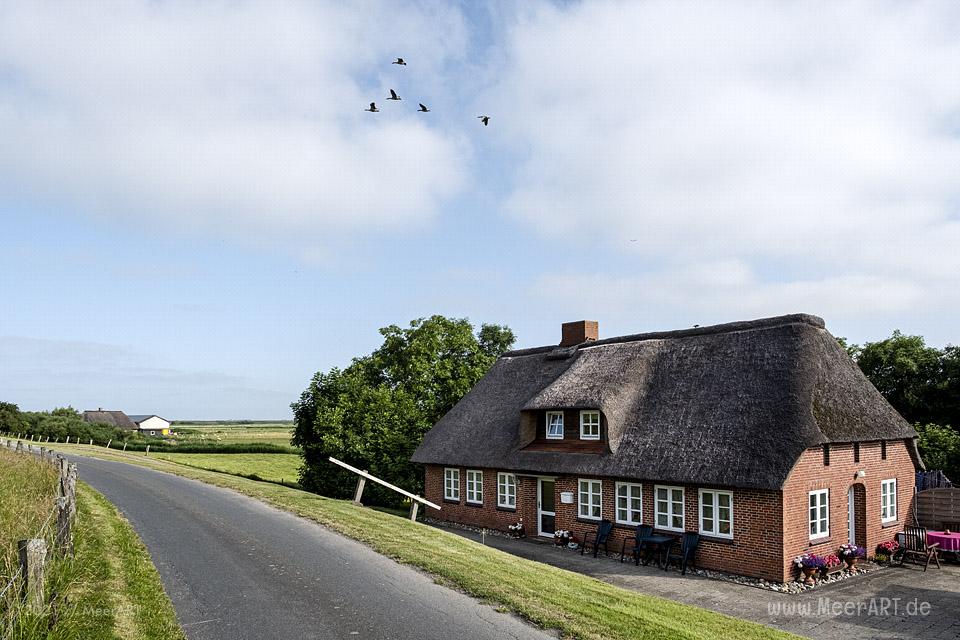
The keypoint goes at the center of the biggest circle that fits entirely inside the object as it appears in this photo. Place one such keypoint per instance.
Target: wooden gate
(938, 509)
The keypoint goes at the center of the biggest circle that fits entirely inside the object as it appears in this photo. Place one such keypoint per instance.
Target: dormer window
(554, 425)
(589, 425)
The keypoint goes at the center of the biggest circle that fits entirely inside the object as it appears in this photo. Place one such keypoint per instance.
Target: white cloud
(816, 146)
(240, 118)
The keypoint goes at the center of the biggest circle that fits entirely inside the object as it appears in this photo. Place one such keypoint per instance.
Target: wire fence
(10, 593)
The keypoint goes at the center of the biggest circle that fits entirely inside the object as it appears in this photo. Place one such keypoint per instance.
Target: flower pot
(851, 562)
(808, 573)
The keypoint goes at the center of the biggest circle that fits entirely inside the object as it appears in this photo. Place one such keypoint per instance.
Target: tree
(11, 420)
(906, 371)
(374, 413)
(939, 447)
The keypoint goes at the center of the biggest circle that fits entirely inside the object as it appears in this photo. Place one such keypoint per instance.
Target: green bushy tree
(374, 413)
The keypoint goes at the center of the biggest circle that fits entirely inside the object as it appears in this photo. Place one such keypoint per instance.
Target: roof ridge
(727, 327)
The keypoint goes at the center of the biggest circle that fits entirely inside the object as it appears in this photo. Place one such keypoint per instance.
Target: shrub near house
(762, 436)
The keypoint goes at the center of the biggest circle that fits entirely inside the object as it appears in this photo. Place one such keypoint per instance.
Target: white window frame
(888, 501)
(594, 499)
(670, 505)
(712, 496)
(585, 436)
(554, 437)
(822, 501)
(474, 486)
(451, 480)
(629, 497)
(507, 490)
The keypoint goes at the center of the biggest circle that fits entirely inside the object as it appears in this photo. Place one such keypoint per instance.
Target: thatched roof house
(113, 418)
(736, 406)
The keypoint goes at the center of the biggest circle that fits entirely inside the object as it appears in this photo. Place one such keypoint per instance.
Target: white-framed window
(629, 503)
(555, 425)
(474, 486)
(819, 513)
(591, 493)
(716, 513)
(506, 490)
(451, 484)
(589, 425)
(668, 508)
(888, 500)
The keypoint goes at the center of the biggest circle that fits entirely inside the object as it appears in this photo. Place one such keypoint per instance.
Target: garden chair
(913, 543)
(599, 537)
(643, 531)
(688, 552)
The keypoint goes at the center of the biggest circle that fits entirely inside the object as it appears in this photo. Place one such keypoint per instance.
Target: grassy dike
(108, 590)
(577, 605)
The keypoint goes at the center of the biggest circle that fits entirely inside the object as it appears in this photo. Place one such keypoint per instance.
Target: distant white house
(151, 424)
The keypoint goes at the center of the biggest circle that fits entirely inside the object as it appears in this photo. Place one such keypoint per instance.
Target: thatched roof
(729, 405)
(112, 418)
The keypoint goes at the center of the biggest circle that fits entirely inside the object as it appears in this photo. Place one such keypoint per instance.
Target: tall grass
(108, 590)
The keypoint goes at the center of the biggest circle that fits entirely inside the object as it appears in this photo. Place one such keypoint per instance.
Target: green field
(108, 590)
(275, 467)
(577, 605)
(235, 433)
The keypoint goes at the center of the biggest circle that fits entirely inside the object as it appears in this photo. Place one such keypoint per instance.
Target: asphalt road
(236, 568)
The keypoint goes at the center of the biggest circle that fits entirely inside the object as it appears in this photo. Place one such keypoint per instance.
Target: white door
(851, 518)
(546, 507)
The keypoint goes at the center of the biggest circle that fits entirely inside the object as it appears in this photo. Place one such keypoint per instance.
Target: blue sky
(198, 215)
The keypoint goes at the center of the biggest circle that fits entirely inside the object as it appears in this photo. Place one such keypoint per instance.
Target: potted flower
(561, 537)
(886, 551)
(516, 530)
(851, 553)
(830, 562)
(810, 564)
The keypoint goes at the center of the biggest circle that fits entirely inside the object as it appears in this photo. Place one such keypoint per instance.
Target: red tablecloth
(947, 542)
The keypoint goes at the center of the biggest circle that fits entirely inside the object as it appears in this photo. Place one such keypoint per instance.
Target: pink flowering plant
(831, 561)
(888, 548)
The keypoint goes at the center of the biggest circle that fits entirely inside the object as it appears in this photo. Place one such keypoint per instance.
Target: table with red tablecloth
(947, 541)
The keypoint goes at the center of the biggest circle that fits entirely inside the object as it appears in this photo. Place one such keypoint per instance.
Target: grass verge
(577, 605)
(108, 590)
(271, 467)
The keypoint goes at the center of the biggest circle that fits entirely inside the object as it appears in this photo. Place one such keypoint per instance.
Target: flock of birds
(423, 108)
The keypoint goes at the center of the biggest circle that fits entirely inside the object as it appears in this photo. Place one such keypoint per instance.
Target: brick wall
(770, 528)
(810, 474)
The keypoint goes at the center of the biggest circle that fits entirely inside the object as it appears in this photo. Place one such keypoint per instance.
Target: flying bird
(373, 108)
(423, 108)
(485, 120)
(393, 95)
(399, 61)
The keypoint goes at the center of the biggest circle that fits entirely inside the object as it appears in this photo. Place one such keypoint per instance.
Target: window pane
(678, 495)
(661, 519)
(724, 528)
(708, 524)
(677, 522)
(707, 510)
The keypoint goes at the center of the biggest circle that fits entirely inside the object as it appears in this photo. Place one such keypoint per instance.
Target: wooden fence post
(48, 439)
(19, 446)
(64, 539)
(64, 470)
(33, 557)
(108, 442)
(91, 442)
(414, 506)
(361, 482)
(72, 490)
(147, 451)
(67, 441)
(124, 446)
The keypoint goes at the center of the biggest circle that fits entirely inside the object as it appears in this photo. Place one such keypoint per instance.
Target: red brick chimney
(579, 331)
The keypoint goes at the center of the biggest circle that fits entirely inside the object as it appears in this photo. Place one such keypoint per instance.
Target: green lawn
(108, 590)
(275, 467)
(273, 433)
(577, 605)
